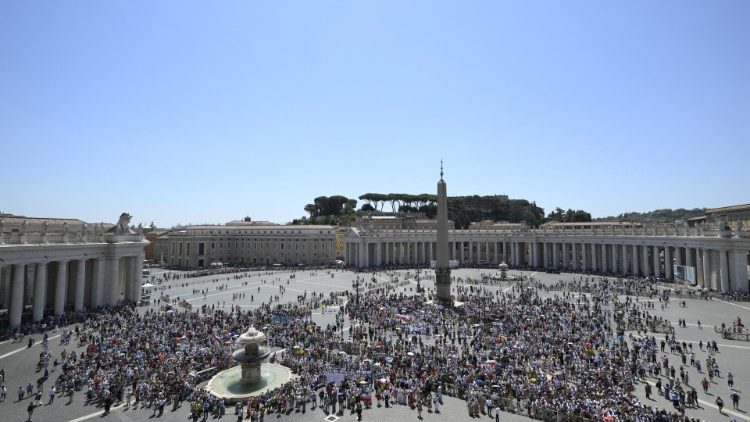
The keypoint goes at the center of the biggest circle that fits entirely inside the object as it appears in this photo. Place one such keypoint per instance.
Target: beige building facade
(246, 245)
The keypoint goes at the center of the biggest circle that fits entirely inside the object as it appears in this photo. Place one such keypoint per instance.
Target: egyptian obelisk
(442, 269)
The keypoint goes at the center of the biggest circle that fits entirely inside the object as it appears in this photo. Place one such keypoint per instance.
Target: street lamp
(355, 284)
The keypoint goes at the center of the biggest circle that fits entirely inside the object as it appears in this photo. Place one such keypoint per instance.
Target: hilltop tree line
(665, 215)
(464, 210)
(333, 210)
(569, 216)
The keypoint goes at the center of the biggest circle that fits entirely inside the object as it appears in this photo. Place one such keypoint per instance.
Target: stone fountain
(250, 355)
(503, 270)
(251, 377)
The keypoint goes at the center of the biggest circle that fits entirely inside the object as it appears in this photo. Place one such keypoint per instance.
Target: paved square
(251, 290)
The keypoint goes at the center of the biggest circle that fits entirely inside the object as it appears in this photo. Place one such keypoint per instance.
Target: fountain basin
(228, 384)
(241, 355)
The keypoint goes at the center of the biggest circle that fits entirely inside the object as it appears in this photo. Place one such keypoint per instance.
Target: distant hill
(666, 215)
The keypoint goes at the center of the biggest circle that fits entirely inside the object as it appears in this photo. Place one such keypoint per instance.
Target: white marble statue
(123, 224)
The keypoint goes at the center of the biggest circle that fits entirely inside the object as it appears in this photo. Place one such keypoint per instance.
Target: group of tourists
(560, 353)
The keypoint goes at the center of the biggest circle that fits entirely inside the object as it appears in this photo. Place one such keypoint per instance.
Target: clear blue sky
(180, 111)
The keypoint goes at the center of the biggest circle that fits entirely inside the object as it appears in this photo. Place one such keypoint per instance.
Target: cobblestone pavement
(20, 361)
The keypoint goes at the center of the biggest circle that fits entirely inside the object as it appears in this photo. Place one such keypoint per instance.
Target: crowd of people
(560, 353)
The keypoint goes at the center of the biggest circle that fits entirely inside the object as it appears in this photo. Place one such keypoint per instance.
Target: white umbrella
(148, 285)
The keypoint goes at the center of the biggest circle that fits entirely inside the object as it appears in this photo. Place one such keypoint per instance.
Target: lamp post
(355, 284)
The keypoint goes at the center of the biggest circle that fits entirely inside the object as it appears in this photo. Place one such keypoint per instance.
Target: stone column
(699, 268)
(594, 255)
(614, 262)
(624, 259)
(538, 254)
(97, 285)
(130, 280)
(137, 278)
(709, 269)
(657, 261)
(668, 262)
(739, 263)
(16, 296)
(461, 250)
(112, 280)
(80, 284)
(517, 253)
(555, 256)
(690, 257)
(4, 286)
(40, 291)
(634, 257)
(494, 245)
(61, 287)
(607, 257)
(723, 276)
(584, 257)
(644, 261)
(28, 290)
(545, 255)
(564, 248)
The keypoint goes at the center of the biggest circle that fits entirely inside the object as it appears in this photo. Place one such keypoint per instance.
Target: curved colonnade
(720, 258)
(51, 275)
